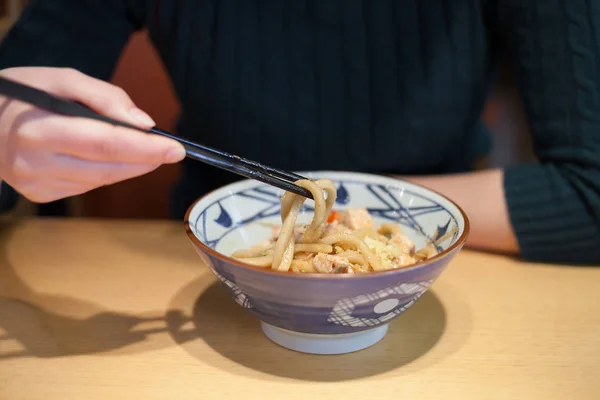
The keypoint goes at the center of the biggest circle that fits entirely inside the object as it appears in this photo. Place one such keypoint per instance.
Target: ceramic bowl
(324, 313)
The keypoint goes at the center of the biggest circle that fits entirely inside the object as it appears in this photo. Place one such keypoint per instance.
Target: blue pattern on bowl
(389, 209)
(324, 304)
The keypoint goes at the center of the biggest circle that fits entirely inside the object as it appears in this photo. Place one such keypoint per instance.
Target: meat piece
(403, 261)
(358, 218)
(344, 270)
(335, 228)
(405, 245)
(327, 263)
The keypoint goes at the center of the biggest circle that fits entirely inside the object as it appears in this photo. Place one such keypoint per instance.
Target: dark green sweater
(381, 86)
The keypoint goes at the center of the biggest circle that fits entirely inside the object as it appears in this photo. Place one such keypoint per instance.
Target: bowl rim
(315, 275)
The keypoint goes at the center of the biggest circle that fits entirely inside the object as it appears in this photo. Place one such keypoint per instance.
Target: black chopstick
(229, 162)
(209, 154)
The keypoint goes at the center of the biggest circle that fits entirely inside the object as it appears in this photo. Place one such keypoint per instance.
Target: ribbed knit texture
(381, 86)
(555, 206)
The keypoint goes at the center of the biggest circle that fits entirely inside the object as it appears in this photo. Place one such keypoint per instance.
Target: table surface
(94, 309)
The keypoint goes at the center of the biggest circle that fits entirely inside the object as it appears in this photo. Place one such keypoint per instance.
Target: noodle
(358, 244)
(334, 241)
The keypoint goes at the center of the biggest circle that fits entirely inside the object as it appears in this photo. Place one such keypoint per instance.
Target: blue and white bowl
(323, 313)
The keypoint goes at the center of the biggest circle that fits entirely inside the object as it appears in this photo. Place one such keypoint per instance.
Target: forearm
(481, 196)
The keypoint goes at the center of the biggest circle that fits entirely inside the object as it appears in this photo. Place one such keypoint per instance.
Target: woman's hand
(46, 157)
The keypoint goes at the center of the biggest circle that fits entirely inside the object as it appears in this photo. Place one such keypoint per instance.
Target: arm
(481, 195)
(554, 206)
(87, 35)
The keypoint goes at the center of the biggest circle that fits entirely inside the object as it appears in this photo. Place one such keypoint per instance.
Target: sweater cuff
(8, 197)
(549, 218)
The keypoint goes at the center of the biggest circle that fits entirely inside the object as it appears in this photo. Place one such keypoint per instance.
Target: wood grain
(94, 309)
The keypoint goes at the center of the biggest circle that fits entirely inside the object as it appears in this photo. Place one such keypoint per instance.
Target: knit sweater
(379, 86)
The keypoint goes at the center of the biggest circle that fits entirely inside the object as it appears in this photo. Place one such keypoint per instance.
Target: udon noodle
(343, 242)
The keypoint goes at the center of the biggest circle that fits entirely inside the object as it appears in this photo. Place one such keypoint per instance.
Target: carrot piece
(334, 216)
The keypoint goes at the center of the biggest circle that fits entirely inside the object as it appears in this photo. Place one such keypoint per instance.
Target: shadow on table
(44, 334)
(235, 334)
(34, 324)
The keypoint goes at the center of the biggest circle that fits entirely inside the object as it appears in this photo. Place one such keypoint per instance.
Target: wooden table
(126, 310)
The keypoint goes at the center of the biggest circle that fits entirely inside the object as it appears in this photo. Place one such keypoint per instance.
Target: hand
(47, 157)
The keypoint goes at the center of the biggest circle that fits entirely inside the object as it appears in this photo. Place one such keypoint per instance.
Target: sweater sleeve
(8, 197)
(554, 205)
(87, 35)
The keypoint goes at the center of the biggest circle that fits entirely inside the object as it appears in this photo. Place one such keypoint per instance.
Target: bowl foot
(324, 344)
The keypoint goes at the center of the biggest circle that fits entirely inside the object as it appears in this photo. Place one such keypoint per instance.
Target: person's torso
(381, 86)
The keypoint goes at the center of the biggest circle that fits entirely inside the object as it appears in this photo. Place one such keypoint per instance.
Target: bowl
(324, 313)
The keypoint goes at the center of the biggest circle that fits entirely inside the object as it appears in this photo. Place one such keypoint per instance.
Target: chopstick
(217, 158)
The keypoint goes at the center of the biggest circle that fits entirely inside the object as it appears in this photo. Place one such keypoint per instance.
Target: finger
(44, 192)
(97, 141)
(101, 96)
(39, 169)
(92, 173)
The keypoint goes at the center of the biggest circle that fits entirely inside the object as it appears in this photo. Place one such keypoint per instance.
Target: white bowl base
(324, 344)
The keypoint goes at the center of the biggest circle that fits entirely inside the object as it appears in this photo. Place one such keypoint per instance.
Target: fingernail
(175, 155)
(142, 117)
